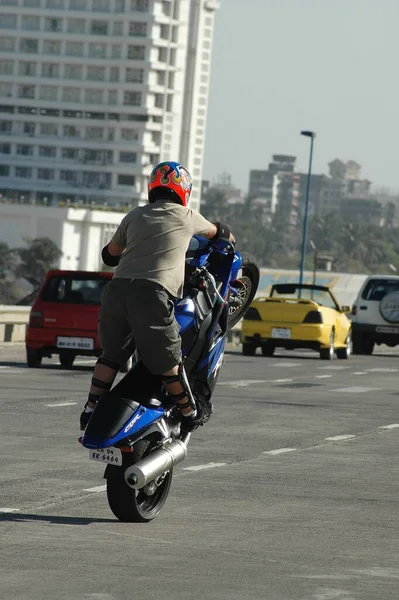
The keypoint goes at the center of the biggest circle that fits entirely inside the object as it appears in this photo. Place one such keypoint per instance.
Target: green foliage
(40, 255)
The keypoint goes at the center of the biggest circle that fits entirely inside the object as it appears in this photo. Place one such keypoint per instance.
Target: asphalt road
(290, 492)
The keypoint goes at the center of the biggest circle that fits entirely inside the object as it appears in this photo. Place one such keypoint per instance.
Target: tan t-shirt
(156, 237)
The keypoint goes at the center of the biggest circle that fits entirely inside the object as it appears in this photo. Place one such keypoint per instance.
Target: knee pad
(181, 377)
(109, 363)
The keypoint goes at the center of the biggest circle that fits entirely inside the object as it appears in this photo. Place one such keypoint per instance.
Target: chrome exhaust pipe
(156, 463)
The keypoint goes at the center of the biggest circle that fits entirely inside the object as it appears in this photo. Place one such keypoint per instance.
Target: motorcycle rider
(148, 249)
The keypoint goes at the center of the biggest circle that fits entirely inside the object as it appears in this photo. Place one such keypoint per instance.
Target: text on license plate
(75, 343)
(111, 456)
(281, 332)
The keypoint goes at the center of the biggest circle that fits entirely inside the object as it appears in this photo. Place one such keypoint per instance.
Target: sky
(281, 66)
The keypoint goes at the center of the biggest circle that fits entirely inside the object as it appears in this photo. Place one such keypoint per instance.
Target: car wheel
(357, 346)
(33, 358)
(344, 353)
(267, 349)
(328, 353)
(66, 359)
(248, 349)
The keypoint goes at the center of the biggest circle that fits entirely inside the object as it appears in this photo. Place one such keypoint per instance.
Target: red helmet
(170, 176)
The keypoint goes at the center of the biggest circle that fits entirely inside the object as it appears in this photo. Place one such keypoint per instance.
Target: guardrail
(13, 322)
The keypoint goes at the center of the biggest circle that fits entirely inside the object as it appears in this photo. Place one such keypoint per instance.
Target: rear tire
(66, 359)
(267, 349)
(248, 349)
(344, 353)
(362, 344)
(33, 358)
(135, 506)
(247, 287)
(328, 353)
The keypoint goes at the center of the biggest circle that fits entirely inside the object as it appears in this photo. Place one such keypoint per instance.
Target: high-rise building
(93, 93)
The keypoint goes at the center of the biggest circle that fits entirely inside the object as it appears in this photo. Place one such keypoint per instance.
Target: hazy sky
(280, 66)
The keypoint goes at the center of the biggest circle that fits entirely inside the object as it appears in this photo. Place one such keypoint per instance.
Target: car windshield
(376, 289)
(322, 297)
(74, 290)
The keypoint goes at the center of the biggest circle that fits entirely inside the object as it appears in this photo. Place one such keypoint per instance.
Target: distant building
(93, 94)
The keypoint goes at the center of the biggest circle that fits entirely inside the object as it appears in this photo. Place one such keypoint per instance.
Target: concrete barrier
(13, 322)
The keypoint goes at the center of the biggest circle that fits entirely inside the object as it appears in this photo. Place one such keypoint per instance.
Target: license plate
(387, 329)
(111, 456)
(75, 343)
(282, 333)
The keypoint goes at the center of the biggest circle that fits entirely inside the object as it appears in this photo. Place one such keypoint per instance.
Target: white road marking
(392, 426)
(99, 488)
(279, 451)
(359, 373)
(281, 380)
(333, 368)
(322, 376)
(62, 404)
(354, 389)
(284, 364)
(382, 370)
(338, 438)
(210, 465)
(242, 382)
(9, 510)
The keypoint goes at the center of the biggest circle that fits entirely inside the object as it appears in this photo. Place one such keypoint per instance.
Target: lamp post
(311, 135)
(314, 248)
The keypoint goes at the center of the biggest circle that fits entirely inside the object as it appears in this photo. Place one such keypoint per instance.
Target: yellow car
(297, 316)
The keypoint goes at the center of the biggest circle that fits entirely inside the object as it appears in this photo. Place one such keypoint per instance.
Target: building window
(119, 6)
(71, 94)
(126, 180)
(116, 51)
(5, 127)
(163, 55)
(97, 50)
(27, 69)
(70, 153)
(141, 5)
(78, 4)
(31, 23)
(164, 33)
(114, 74)
(24, 172)
(55, 4)
(6, 90)
(94, 133)
(127, 157)
(46, 174)
(138, 29)
(50, 70)
(7, 44)
(136, 52)
(132, 98)
(129, 134)
(48, 151)
(73, 72)
(112, 97)
(74, 49)
(24, 150)
(169, 103)
(29, 129)
(76, 26)
(32, 3)
(117, 28)
(171, 80)
(48, 93)
(99, 27)
(94, 96)
(48, 129)
(8, 21)
(51, 24)
(71, 131)
(4, 170)
(101, 5)
(5, 148)
(26, 91)
(159, 100)
(51, 47)
(96, 73)
(68, 176)
(29, 46)
(134, 75)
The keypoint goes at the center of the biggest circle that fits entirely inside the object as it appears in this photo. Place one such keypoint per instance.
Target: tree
(40, 255)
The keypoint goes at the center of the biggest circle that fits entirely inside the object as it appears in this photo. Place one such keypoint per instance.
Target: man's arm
(111, 254)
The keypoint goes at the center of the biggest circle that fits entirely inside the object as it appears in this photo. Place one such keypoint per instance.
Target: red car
(64, 317)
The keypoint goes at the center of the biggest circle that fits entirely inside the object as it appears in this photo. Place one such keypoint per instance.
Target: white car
(375, 314)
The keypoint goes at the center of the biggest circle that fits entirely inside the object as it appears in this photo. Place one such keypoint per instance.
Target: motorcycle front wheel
(136, 506)
(246, 288)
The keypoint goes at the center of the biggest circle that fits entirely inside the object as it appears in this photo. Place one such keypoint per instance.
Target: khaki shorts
(145, 309)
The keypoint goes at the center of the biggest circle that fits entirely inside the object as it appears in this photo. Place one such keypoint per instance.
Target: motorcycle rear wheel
(247, 287)
(135, 506)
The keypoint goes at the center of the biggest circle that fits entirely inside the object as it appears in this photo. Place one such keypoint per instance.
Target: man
(149, 249)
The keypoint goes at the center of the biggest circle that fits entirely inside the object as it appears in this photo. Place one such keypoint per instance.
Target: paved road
(289, 493)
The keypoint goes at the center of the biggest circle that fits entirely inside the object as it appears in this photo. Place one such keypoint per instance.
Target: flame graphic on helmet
(173, 176)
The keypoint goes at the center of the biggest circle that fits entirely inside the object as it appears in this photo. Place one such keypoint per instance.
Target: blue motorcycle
(134, 430)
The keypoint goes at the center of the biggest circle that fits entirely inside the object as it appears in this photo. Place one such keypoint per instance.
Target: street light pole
(312, 136)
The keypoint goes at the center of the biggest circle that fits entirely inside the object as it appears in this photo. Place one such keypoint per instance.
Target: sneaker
(204, 413)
